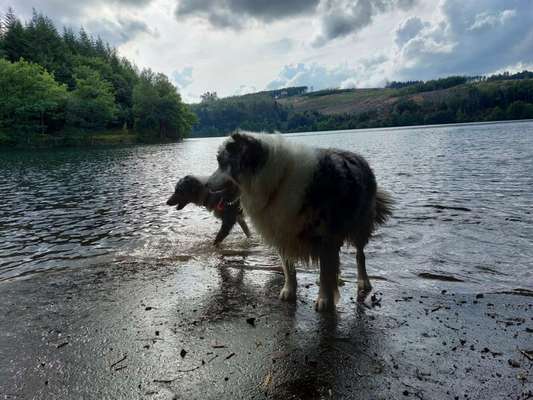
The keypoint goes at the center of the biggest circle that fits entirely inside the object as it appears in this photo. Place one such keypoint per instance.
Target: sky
(239, 46)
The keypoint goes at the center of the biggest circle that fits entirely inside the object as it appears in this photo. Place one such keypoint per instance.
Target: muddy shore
(180, 329)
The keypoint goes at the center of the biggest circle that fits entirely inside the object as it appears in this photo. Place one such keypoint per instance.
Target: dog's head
(239, 158)
(188, 190)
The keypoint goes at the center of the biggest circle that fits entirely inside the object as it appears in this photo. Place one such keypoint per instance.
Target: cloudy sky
(239, 46)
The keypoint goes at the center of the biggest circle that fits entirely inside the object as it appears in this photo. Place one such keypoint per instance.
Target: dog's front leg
(328, 294)
(288, 293)
(227, 223)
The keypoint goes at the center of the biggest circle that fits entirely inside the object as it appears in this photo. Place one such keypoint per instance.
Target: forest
(69, 88)
(447, 100)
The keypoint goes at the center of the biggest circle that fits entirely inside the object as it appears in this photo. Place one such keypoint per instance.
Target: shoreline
(178, 328)
(85, 140)
(383, 128)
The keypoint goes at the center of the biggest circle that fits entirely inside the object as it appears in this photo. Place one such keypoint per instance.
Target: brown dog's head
(239, 157)
(189, 189)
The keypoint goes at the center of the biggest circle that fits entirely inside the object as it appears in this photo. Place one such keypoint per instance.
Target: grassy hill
(447, 100)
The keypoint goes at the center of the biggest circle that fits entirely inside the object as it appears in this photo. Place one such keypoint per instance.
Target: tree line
(448, 100)
(65, 86)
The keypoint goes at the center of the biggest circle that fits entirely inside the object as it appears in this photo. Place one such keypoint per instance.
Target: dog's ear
(239, 143)
(252, 152)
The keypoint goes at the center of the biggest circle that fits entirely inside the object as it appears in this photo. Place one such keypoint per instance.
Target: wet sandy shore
(181, 329)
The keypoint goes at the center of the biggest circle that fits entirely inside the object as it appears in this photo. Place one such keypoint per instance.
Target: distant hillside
(447, 100)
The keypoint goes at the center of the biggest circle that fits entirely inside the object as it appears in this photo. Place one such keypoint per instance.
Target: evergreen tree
(91, 105)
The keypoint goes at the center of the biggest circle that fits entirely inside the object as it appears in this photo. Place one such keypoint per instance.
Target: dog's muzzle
(172, 201)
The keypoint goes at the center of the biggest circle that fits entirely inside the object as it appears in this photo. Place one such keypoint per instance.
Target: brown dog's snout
(172, 201)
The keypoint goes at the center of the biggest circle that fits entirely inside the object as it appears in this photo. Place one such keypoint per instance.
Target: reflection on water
(463, 206)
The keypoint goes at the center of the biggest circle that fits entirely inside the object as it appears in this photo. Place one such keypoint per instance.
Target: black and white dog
(305, 202)
(224, 205)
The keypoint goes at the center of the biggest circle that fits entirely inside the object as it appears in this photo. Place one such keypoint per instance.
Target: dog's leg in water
(363, 283)
(288, 293)
(243, 226)
(227, 223)
(328, 294)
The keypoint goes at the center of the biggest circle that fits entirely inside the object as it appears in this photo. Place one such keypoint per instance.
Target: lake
(462, 216)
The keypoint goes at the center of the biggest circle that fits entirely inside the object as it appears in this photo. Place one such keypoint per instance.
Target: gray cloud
(120, 31)
(408, 29)
(75, 14)
(341, 18)
(237, 13)
(475, 37)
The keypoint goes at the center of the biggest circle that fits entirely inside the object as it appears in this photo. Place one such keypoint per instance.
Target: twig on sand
(527, 354)
(119, 361)
(185, 370)
(164, 380)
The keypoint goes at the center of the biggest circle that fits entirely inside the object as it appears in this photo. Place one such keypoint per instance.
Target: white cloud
(364, 43)
(468, 38)
(366, 73)
(487, 20)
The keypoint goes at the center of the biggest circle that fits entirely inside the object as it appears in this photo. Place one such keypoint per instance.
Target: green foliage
(259, 112)
(476, 100)
(157, 108)
(95, 85)
(91, 105)
(31, 101)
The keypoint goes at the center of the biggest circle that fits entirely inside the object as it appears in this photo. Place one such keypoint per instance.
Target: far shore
(83, 139)
(127, 137)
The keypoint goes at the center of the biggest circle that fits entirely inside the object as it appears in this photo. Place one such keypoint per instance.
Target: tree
(14, 38)
(91, 105)
(158, 110)
(209, 97)
(30, 99)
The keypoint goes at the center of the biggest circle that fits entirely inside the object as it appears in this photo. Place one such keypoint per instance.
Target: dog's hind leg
(244, 227)
(328, 294)
(363, 283)
(288, 293)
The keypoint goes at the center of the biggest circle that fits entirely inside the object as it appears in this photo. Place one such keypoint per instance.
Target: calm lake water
(463, 195)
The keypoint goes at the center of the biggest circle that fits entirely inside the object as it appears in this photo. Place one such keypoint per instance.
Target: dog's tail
(384, 205)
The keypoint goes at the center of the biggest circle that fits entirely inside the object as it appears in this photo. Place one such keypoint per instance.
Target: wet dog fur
(306, 203)
(224, 204)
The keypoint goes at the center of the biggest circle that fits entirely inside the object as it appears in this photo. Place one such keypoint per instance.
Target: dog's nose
(171, 201)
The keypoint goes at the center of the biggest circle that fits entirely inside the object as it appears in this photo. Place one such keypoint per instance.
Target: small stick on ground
(119, 361)
(526, 354)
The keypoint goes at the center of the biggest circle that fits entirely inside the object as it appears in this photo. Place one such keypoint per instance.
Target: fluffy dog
(224, 205)
(305, 202)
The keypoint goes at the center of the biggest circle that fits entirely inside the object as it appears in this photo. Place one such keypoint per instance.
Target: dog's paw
(363, 290)
(323, 304)
(287, 294)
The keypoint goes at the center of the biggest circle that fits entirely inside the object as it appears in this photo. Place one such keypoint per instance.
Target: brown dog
(225, 206)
